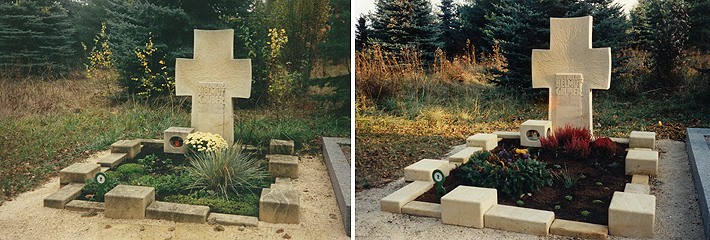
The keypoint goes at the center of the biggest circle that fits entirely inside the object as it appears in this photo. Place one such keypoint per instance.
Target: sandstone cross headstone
(571, 68)
(213, 78)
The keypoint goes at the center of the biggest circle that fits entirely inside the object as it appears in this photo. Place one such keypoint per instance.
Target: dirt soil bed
(592, 192)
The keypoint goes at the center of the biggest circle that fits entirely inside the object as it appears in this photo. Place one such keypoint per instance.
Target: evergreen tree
(450, 29)
(362, 33)
(699, 35)
(336, 47)
(399, 25)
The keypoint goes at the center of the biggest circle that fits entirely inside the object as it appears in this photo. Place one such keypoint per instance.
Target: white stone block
(639, 139)
(632, 215)
(532, 130)
(128, 202)
(517, 219)
(637, 188)
(78, 173)
(422, 170)
(486, 141)
(579, 229)
(424, 209)
(465, 206)
(395, 201)
(463, 155)
(639, 179)
(507, 135)
(642, 162)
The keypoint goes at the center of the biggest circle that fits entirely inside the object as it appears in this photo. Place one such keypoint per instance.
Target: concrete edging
(698, 150)
(339, 171)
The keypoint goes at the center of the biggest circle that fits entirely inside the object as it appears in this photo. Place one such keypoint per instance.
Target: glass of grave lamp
(176, 141)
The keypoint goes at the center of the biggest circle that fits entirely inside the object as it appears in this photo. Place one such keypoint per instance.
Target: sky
(365, 6)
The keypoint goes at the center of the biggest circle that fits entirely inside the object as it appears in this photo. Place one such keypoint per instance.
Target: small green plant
(246, 204)
(153, 164)
(598, 201)
(165, 185)
(568, 198)
(520, 203)
(585, 213)
(130, 169)
(558, 207)
(568, 178)
(599, 184)
(227, 170)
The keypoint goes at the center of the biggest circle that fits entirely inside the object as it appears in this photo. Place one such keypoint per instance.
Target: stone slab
(423, 209)
(517, 219)
(395, 201)
(78, 173)
(339, 170)
(128, 202)
(698, 149)
(62, 196)
(152, 143)
(422, 170)
(233, 220)
(620, 140)
(465, 206)
(507, 135)
(112, 160)
(283, 165)
(177, 212)
(640, 179)
(639, 139)
(486, 141)
(131, 147)
(279, 204)
(579, 229)
(637, 188)
(632, 215)
(82, 206)
(285, 147)
(641, 162)
(464, 155)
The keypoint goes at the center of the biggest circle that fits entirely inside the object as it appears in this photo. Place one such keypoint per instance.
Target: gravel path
(25, 218)
(677, 214)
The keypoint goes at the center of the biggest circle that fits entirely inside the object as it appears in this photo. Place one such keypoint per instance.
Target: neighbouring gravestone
(571, 68)
(213, 78)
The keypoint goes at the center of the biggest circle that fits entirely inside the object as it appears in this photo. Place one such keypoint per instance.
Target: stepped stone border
(698, 149)
(65, 196)
(339, 170)
(402, 201)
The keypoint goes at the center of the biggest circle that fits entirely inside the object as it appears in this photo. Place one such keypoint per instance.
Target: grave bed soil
(584, 193)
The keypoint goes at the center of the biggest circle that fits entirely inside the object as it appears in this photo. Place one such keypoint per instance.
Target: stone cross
(213, 78)
(571, 68)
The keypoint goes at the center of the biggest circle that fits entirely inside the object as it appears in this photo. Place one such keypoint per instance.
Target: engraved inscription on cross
(213, 78)
(571, 68)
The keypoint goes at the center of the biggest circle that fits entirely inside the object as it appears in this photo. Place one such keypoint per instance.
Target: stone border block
(486, 141)
(698, 155)
(112, 160)
(233, 220)
(177, 212)
(285, 147)
(632, 215)
(642, 162)
(465, 206)
(174, 139)
(579, 229)
(517, 219)
(507, 135)
(131, 147)
(279, 204)
(339, 172)
(395, 201)
(639, 139)
(423, 209)
(422, 170)
(637, 188)
(283, 165)
(542, 127)
(128, 202)
(620, 140)
(152, 143)
(640, 179)
(78, 173)
(463, 155)
(81, 205)
(62, 196)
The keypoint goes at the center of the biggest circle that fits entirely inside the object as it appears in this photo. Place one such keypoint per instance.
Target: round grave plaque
(100, 178)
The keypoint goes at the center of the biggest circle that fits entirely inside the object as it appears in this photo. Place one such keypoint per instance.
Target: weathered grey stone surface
(130, 202)
(234, 220)
(131, 147)
(81, 205)
(112, 160)
(179, 132)
(283, 165)
(213, 78)
(78, 173)
(339, 171)
(177, 212)
(698, 148)
(279, 204)
(285, 147)
(571, 68)
(62, 196)
(152, 143)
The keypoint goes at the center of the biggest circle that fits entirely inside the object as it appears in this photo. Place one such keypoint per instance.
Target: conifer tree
(450, 29)
(399, 25)
(362, 33)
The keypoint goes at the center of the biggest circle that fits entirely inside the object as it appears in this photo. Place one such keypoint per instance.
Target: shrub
(549, 143)
(98, 191)
(130, 169)
(578, 148)
(568, 133)
(246, 204)
(604, 148)
(165, 185)
(568, 179)
(153, 164)
(510, 178)
(228, 170)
